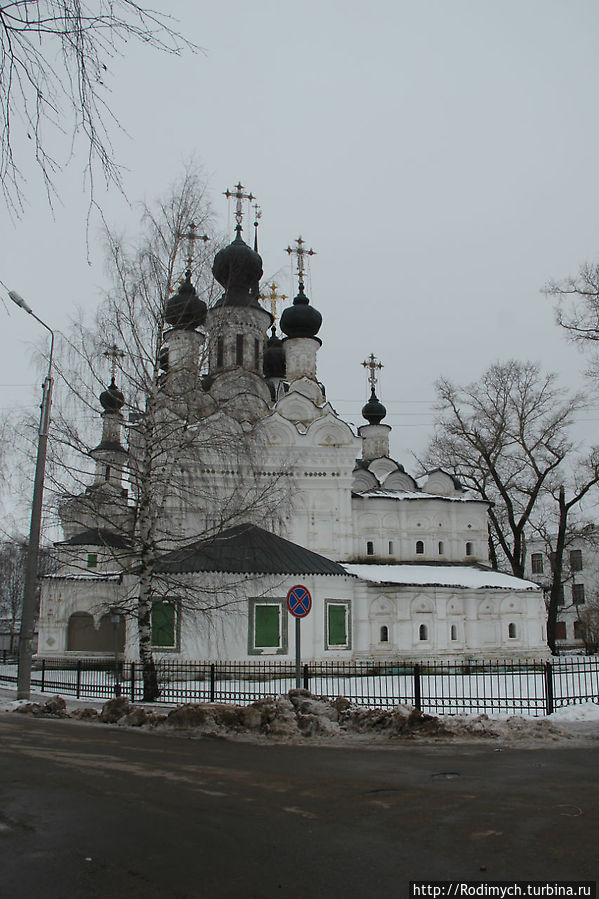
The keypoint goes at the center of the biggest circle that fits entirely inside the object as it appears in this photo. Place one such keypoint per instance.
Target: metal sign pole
(298, 654)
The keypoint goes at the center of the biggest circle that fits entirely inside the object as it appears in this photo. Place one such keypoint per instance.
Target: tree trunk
(556, 571)
(151, 690)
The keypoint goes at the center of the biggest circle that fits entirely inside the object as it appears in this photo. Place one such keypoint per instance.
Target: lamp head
(18, 299)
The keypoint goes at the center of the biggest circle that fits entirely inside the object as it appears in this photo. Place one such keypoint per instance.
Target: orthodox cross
(113, 353)
(191, 238)
(257, 217)
(273, 298)
(299, 251)
(372, 364)
(238, 195)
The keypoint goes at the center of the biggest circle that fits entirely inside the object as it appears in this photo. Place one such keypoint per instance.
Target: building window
(536, 563)
(92, 560)
(390, 547)
(384, 634)
(441, 548)
(107, 473)
(239, 350)
(560, 630)
(220, 352)
(338, 628)
(164, 625)
(369, 548)
(423, 632)
(453, 632)
(256, 353)
(512, 631)
(468, 549)
(578, 594)
(419, 547)
(578, 630)
(575, 560)
(267, 627)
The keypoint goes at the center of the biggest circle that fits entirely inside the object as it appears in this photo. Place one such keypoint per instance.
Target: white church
(396, 567)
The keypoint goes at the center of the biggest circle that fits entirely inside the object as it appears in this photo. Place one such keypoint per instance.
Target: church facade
(396, 567)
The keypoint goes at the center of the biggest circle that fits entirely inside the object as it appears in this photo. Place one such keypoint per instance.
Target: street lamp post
(29, 595)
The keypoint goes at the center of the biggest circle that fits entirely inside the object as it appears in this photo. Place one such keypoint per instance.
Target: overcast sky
(440, 157)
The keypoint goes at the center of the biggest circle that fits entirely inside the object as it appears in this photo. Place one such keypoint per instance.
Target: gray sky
(440, 157)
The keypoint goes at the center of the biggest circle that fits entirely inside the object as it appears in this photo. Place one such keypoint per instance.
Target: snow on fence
(526, 687)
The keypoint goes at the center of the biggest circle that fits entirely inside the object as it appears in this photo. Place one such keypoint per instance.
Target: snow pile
(300, 715)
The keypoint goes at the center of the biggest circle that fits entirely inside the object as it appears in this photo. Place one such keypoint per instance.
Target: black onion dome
(374, 411)
(185, 310)
(273, 363)
(301, 319)
(238, 269)
(112, 399)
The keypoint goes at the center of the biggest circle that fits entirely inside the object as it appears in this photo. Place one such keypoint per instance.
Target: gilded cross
(191, 236)
(299, 251)
(238, 195)
(372, 364)
(273, 298)
(113, 353)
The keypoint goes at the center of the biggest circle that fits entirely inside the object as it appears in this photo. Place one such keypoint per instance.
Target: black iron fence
(526, 687)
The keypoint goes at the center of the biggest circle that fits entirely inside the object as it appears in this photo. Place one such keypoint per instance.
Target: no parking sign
(299, 603)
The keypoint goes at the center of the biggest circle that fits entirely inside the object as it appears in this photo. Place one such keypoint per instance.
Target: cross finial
(191, 236)
(299, 251)
(273, 298)
(113, 353)
(372, 364)
(238, 195)
(257, 217)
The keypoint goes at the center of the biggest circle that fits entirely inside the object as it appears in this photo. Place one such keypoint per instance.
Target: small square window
(92, 560)
(575, 560)
(536, 562)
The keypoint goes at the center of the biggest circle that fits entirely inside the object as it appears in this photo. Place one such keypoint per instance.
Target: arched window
(423, 632)
(468, 549)
(419, 547)
(369, 548)
(441, 548)
(220, 352)
(239, 350)
(512, 631)
(454, 632)
(390, 547)
(384, 634)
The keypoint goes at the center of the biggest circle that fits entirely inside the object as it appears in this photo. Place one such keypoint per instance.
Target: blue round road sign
(299, 601)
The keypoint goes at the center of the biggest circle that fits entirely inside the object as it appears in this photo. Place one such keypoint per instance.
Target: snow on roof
(440, 576)
(377, 492)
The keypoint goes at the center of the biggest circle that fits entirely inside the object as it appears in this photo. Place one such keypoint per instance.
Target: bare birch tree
(190, 471)
(55, 58)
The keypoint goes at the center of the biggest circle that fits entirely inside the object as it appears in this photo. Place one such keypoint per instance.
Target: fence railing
(526, 687)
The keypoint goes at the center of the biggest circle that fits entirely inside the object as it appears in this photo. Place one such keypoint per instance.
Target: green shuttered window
(164, 630)
(337, 625)
(267, 629)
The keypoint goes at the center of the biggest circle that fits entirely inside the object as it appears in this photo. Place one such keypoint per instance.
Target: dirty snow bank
(301, 716)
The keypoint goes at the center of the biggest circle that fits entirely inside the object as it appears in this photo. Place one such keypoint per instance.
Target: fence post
(549, 705)
(417, 696)
(212, 681)
(132, 681)
(306, 678)
(43, 675)
(78, 687)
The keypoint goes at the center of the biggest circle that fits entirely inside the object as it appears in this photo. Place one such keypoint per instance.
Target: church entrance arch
(84, 636)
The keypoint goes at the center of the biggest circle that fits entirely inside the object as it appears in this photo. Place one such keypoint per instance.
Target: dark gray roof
(97, 537)
(247, 548)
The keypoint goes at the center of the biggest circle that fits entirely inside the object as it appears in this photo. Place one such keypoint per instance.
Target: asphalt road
(93, 811)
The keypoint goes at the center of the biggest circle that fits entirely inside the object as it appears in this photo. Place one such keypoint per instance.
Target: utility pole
(31, 569)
